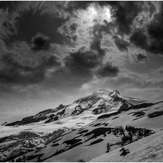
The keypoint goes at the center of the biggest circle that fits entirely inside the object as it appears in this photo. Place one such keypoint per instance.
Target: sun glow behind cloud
(96, 14)
(93, 15)
(85, 20)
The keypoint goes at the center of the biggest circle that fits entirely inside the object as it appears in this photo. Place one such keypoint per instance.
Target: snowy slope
(145, 150)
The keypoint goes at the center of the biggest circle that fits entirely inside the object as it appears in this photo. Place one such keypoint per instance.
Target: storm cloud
(141, 57)
(40, 42)
(108, 70)
(24, 71)
(92, 36)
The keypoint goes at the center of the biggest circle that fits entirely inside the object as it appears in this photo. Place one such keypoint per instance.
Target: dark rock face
(31, 119)
(100, 109)
(143, 105)
(52, 118)
(124, 107)
(4, 124)
(27, 120)
(13, 123)
(61, 106)
(78, 110)
(61, 113)
(43, 115)
(155, 114)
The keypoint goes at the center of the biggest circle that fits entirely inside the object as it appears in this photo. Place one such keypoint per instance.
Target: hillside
(92, 128)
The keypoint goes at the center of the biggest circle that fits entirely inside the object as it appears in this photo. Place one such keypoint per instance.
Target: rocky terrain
(97, 127)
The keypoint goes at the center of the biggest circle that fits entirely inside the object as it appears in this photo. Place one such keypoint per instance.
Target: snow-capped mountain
(100, 101)
(77, 131)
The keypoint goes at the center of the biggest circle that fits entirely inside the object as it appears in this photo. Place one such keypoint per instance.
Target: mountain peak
(110, 93)
(101, 91)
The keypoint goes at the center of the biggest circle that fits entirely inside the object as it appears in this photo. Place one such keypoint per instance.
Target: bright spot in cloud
(85, 20)
(95, 14)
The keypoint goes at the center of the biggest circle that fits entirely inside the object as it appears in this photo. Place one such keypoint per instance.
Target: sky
(54, 52)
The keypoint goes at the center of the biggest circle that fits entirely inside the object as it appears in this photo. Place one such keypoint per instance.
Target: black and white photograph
(81, 81)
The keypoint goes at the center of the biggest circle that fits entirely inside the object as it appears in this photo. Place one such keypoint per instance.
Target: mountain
(100, 101)
(99, 124)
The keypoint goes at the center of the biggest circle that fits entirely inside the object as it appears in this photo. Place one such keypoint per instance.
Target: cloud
(108, 70)
(125, 13)
(25, 62)
(142, 26)
(9, 6)
(155, 31)
(124, 82)
(40, 42)
(85, 26)
(22, 67)
(84, 61)
(158, 71)
(139, 39)
(136, 24)
(128, 26)
(121, 43)
(85, 21)
(141, 58)
(24, 20)
(157, 83)
(79, 65)
(72, 6)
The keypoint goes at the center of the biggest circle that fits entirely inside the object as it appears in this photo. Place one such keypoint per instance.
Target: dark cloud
(141, 57)
(34, 23)
(67, 79)
(108, 70)
(141, 21)
(84, 60)
(149, 36)
(24, 20)
(8, 6)
(139, 39)
(40, 42)
(121, 43)
(123, 16)
(73, 6)
(155, 32)
(17, 72)
(124, 13)
(152, 40)
(27, 31)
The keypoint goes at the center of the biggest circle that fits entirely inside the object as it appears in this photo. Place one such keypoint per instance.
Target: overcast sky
(52, 53)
